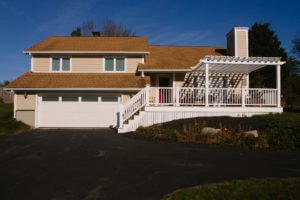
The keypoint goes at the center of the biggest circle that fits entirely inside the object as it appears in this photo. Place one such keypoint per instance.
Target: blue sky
(171, 22)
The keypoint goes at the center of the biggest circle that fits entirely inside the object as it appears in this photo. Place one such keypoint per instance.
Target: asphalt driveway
(98, 164)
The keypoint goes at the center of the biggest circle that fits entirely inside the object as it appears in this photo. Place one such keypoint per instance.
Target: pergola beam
(231, 64)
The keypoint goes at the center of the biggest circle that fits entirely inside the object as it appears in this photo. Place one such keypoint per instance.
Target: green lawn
(258, 189)
(8, 124)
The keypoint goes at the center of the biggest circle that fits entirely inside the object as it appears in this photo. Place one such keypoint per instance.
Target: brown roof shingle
(78, 80)
(61, 43)
(177, 57)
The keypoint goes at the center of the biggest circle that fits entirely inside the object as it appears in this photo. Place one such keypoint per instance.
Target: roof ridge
(64, 36)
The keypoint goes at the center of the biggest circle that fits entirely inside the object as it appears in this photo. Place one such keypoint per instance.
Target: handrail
(134, 104)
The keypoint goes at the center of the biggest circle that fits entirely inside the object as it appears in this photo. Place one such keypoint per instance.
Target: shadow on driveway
(98, 164)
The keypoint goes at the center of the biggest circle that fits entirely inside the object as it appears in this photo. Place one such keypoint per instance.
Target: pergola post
(247, 81)
(278, 85)
(206, 84)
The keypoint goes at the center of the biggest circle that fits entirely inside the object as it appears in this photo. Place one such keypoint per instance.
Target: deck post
(206, 84)
(177, 96)
(147, 95)
(278, 85)
(243, 97)
(121, 115)
(247, 81)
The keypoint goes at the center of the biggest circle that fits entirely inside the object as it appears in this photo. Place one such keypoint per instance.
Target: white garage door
(78, 110)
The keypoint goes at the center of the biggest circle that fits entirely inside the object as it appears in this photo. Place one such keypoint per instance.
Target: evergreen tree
(263, 42)
(76, 32)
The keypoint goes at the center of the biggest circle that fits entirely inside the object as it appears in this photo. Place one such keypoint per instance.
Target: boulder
(211, 131)
(253, 133)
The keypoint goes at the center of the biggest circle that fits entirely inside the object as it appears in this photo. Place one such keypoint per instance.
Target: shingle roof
(60, 43)
(78, 80)
(177, 57)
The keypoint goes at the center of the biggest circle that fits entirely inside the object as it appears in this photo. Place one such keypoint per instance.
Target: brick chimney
(237, 42)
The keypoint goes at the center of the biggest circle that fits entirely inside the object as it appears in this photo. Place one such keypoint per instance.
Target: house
(125, 82)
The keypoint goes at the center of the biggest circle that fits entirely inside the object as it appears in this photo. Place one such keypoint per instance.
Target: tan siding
(27, 103)
(126, 97)
(87, 64)
(26, 117)
(41, 64)
(132, 63)
(242, 43)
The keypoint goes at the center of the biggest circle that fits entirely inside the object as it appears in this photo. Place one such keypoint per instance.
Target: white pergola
(244, 65)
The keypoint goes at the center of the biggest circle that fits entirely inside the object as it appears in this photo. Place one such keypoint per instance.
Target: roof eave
(88, 52)
(164, 70)
(73, 89)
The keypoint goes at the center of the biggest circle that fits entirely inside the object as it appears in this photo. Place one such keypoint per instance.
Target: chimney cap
(96, 33)
(235, 28)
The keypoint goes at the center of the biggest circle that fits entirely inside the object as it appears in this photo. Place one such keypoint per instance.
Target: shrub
(157, 133)
(278, 131)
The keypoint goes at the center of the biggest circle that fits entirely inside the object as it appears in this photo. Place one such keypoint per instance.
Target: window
(69, 98)
(109, 99)
(89, 98)
(50, 98)
(120, 64)
(109, 64)
(114, 64)
(66, 64)
(55, 64)
(60, 64)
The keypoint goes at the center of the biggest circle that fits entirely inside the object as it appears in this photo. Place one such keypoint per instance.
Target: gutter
(164, 70)
(73, 89)
(88, 52)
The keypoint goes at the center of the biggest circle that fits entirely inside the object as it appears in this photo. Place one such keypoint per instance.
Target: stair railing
(134, 105)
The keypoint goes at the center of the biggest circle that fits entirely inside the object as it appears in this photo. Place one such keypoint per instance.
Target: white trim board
(165, 70)
(73, 89)
(89, 52)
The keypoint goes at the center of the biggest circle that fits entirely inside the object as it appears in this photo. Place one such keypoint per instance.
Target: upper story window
(61, 64)
(114, 64)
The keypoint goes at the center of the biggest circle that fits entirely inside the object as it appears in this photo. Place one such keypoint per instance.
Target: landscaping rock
(253, 133)
(211, 131)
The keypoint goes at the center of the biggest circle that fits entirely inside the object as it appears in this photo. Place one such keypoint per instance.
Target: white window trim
(115, 58)
(60, 64)
(31, 64)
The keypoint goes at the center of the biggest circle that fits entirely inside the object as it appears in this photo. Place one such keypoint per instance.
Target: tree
(296, 45)
(4, 83)
(107, 28)
(76, 32)
(264, 42)
(87, 28)
(111, 28)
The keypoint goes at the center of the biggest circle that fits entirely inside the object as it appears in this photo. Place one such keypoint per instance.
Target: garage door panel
(78, 114)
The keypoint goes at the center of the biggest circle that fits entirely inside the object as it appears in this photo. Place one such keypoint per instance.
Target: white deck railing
(189, 96)
(261, 96)
(132, 106)
(225, 96)
(181, 96)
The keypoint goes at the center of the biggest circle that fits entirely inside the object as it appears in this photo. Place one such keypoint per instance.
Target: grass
(8, 124)
(275, 130)
(258, 189)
